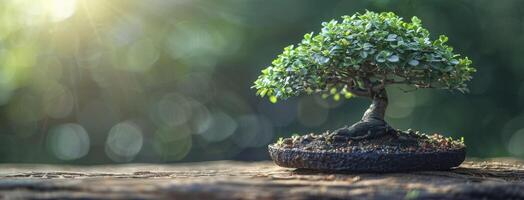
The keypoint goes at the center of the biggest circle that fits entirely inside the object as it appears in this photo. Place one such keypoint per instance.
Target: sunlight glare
(60, 10)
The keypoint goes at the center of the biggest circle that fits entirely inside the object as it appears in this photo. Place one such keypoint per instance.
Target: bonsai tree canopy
(361, 55)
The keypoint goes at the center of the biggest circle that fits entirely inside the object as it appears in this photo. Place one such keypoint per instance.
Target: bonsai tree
(360, 56)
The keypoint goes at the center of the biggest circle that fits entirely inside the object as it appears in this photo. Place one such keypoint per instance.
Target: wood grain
(474, 179)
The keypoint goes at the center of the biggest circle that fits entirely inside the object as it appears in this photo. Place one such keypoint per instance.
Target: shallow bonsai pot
(370, 161)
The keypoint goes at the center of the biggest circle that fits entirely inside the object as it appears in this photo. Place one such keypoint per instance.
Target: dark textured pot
(367, 161)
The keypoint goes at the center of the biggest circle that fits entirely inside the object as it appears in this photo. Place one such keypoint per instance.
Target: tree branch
(359, 92)
(383, 84)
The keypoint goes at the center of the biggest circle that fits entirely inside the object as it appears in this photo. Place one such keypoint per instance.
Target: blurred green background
(96, 81)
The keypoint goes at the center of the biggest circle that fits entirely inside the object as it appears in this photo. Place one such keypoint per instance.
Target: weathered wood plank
(496, 179)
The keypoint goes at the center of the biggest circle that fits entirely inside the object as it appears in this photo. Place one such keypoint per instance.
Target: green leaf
(363, 54)
(391, 37)
(333, 90)
(320, 59)
(335, 49)
(393, 58)
(413, 62)
(415, 20)
(273, 99)
(382, 56)
(336, 97)
(308, 36)
(263, 92)
(348, 95)
(280, 141)
(443, 38)
(366, 46)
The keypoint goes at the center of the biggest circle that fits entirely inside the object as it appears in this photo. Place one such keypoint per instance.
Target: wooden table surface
(474, 179)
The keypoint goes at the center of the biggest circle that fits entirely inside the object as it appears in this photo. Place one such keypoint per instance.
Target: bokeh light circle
(141, 55)
(221, 126)
(68, 141)
(171, 110)
(253, 131)
(516, 143)
(173, 143)
(124, 141)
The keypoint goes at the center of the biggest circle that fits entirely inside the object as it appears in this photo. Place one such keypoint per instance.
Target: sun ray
(90, 19)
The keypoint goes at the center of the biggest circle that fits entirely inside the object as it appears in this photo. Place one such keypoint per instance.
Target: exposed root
(361, 130)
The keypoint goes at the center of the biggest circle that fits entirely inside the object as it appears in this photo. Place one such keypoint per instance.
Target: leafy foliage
(364, 52)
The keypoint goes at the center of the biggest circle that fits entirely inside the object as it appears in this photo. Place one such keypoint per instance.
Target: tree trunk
(372, 124)
(377, 109)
